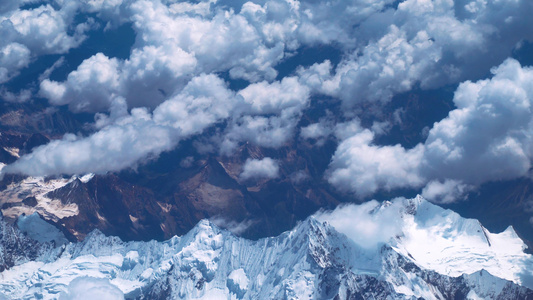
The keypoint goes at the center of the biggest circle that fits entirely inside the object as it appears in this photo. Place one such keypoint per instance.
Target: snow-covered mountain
(403, 249)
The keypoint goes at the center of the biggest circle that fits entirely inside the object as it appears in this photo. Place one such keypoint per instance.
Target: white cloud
(89, 288)
(263, 131)
(181, 39)
(447, 191)
(260, 168)
(362, 168)
(319, 131)
(486, 138)
(287, 95)
(124, 140)
(391, 65)
(144, 80)
(29, 33)
(92, 85)
(365, 224)
(204, 101)
(237, 228)
(44, 29)
(46, 74)
(20, 97)
(267, 114)
(426, 43)
(13, 57)
(113, 148)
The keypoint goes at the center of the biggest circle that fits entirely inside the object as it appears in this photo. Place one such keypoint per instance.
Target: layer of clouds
(167, 90)
(176, 40)
(113, 148)
(387, 50)
(260, 168)
(90, 288)
(125, 139)
(425, 43)
(486, 138)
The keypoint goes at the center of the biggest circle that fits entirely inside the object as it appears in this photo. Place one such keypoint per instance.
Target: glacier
(410, 249)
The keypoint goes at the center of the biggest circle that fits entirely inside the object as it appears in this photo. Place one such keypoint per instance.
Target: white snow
(13, 151)
(37, 229)
(442, 241)
(435, 238)
(473, 296)
(86, 178)
(50, 209)
(239, 277)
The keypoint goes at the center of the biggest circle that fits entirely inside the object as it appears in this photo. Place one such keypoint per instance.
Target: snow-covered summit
(418, 250)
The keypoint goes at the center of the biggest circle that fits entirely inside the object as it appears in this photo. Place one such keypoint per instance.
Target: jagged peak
(208, 225)
(205, 231)
(511, 231)
(97, 235)
(310, 226)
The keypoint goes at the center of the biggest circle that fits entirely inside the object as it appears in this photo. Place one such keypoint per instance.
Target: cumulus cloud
(173, 42)
(486, 138)
(267, 114)
(89, 288)
(92, 84)
(260, 168)
(144, 80)
(360, 167)
(20, 97)
(204, 101)
(425, 43)
(44, 29)
(13, 57)
(368, 224)
(391, 65)
(29, 33)
(447, 191)
(319, 131)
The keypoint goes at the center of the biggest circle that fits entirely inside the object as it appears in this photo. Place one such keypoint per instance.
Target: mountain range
(432, 253)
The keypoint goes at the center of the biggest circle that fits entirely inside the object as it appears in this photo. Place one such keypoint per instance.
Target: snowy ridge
(453, 245)
(312, 261)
